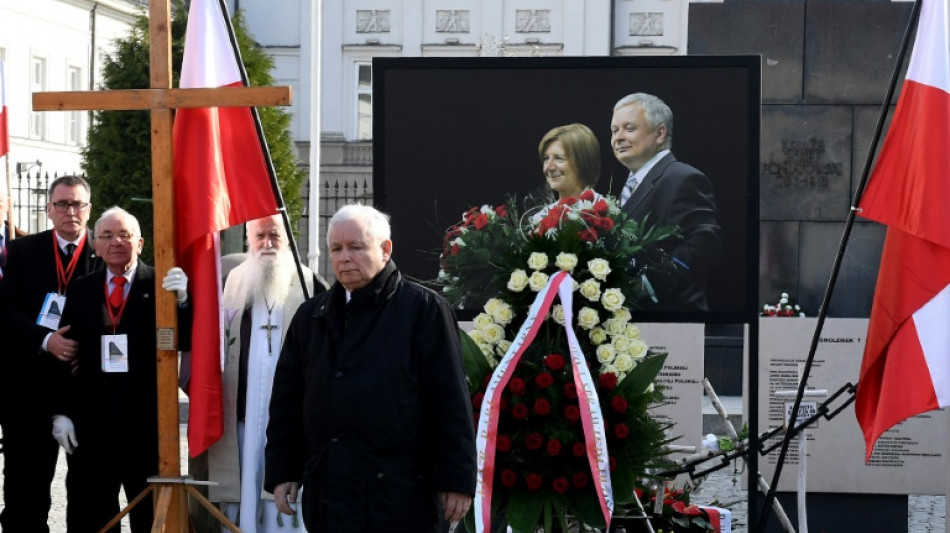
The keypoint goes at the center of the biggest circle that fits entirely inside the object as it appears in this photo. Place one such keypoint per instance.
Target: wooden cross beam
(161, 99)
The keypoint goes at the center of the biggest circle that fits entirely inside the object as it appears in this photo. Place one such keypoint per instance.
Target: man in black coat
(667, 192)
(37, 271)
(106, 409)
(370, 409)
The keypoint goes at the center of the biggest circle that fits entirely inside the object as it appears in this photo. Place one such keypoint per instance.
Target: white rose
(612, 299)
(557, 313)
(620, 376)
(633, 332)
(650, 388)
(478, 336)
(624, 363)
(537, 261)
(503, 346)
(587, 318)
(494, 333)
(566, 261)
(518, 281)
(614, 326)
(622, 314)
(610, 369)
(537, 281)
(502, 314)
(492, 305)
(605, 354)
(483, 320)
(637, 349)
(599, 268)
(598, 335)
(590, 289)
(486, 350)
(620, 343)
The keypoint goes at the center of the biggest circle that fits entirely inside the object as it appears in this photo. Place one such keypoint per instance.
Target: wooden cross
(171, 489)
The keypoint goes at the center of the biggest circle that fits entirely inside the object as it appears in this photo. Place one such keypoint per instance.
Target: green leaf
(524, 510)
(642, 375)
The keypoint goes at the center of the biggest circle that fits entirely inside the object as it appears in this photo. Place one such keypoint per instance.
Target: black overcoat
(370, 409)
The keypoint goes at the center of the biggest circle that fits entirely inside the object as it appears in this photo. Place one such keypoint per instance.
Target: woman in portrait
(570, 159)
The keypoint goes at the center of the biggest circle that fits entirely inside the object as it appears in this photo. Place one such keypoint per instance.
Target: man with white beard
(260, 297)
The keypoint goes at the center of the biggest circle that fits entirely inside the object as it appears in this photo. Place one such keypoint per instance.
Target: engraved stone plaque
(646, 24)
(452, 21)
(372, 21)
(533, 21)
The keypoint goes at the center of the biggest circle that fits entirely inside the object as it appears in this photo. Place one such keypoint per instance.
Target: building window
(74, 119)
(37, 84)
(364, 101)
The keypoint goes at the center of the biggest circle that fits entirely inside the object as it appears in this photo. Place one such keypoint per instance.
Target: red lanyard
(114, 318)
(63, 276)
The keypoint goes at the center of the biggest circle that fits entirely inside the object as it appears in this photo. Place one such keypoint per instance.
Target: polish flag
(906, 366)
(221, 180)
(4, 129)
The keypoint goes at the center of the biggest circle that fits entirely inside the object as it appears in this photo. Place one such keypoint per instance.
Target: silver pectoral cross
(269, 327)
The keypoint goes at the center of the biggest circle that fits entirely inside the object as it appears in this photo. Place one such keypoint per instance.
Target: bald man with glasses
(38, 270)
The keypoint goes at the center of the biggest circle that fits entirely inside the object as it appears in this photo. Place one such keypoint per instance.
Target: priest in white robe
(260, 297)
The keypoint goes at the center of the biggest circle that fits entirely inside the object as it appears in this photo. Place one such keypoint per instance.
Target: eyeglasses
(63, 206)
(122, 236)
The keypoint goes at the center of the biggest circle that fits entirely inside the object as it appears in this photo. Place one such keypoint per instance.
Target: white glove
(64, 433)
(176, 281)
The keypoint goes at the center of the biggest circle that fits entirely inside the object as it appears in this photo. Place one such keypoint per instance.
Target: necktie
(70, 248)
(118, 293)
(628, 188)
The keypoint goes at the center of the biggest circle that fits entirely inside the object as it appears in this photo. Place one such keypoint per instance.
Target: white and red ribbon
(592, 420)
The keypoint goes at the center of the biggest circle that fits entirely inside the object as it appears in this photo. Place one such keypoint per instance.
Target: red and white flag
(221, 180)
(906, 366)
(4, 128)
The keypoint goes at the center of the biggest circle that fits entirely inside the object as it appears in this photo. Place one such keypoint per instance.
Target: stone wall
(826, 66)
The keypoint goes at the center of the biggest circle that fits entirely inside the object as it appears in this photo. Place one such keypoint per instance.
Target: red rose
(621, 431)
(619, 404)
(560, 485)
(508, 478)
(555, 362)
(604, 223)
(542, 407)
(516, 386)
(481, 221)
(601, 207)
(519, 411)
(580, 479)
(533, 441)
(587, 195)
(477, 400)
(534, 482)
(572, 413)
(588, 235)
(570, 391)
(544, 380)
(553, 447)
(608, 380)
(454, 250)
(501, 211)
(579, 449)
(503, 443)
(570, 200)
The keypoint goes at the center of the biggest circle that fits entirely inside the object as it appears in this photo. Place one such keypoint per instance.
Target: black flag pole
(271, 171)
(849, 224)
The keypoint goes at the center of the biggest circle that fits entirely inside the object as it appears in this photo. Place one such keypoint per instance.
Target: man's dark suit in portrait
(667, 192)
(106, 412)
(37, 269)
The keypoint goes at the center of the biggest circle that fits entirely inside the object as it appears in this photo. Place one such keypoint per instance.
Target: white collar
(648, 166)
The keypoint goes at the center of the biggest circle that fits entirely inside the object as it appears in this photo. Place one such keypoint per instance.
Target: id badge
(52, 311)
(115, 353)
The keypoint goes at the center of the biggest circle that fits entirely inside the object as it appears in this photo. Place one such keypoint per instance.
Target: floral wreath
(498, 260)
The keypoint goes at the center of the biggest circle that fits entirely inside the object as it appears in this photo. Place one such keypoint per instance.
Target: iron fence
(29, 193)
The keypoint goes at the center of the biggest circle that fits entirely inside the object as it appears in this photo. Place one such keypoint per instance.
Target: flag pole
(849, 224)
(271, 171)
(11, 232)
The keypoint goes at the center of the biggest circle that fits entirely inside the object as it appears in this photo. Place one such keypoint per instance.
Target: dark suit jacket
(110, 409)
(29, 275)
(676, 194)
